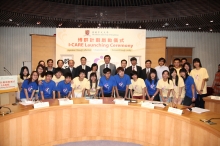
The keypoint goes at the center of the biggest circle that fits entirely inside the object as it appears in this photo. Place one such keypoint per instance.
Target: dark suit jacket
(73, 71)
(80, 67)
(52, 70)
(144, 73)
(129, 70)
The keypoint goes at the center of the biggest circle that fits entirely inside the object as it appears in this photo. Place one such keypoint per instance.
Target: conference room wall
(15, 46)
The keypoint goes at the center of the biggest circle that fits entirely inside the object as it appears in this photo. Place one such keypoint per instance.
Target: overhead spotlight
(163, 26)
(38, 22)
(200, 28)
(140, 27)
(210, 29)
(166, 24)
(60, 24)
(17, 24)
(187, 23)
(211, 21)
(99, 24)
(79, 25)
(117, 27)
(10, 20)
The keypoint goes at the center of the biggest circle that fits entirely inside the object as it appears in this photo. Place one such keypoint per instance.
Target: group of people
(178, 83)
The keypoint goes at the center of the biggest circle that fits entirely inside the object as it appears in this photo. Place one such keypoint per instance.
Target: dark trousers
(199, 101)
(156, 98)
(107, 94)
(121, 93)
(187, 101)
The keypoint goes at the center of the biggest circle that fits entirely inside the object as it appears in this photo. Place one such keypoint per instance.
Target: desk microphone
(7, 112)
(6, 70)
(159, 103)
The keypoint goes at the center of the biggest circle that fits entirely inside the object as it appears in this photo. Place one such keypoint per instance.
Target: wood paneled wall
(43, 48)
(155, 49)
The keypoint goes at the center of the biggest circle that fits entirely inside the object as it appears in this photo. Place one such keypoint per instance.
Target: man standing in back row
(83, 66)
(161, 67)
(107, 64)
(134, 67)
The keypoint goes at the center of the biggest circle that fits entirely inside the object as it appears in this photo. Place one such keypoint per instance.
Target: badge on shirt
(121, 84)
(30, 89)
(47, 90)
(65, 90)
(106, 86)
(152, 86)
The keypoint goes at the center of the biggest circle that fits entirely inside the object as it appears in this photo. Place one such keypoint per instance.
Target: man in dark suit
(134, 67)
(107, 64)
(124, 64)
(50, 66)
(146, 71)
(71, 69)
(83, 66)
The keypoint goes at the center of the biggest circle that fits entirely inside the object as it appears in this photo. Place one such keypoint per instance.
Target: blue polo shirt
(151, 87)
(30, 88)
(122, 82)
(107, 84)
(64, 88)
(48, 89)
(188, 83)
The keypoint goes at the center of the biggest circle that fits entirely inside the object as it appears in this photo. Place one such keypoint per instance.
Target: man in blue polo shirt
(64, 87)
(107, 83)
(48, 87)
(122, 81)
(190, 87)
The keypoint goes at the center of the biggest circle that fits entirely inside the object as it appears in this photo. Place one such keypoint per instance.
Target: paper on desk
(26, 103)
(199, 110)
(95, 101)
(215, 97)
(121, 101)
(63, 99)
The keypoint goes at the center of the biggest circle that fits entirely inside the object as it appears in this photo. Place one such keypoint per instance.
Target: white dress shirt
(160, 69)
(108, 65)
(134, 68)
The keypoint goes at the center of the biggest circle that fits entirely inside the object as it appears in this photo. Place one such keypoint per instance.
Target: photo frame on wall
(66, 58)
(138, 60)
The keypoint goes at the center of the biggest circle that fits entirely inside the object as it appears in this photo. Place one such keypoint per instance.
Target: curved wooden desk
(212, 105)
(77, 122)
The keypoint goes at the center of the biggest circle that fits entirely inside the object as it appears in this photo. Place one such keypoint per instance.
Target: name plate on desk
(215, 97)
(121, 101)
(41, 104)
(65, 101)
(175, 111)
(95, 101)
(147, 105)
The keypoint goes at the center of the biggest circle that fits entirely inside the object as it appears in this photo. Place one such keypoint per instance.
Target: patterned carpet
(99, 143)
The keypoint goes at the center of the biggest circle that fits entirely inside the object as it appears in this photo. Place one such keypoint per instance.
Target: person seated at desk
(29, 86)
(64, 87)
(137, 86)
(107, 83)
(94, 85)
(151, 84)
(122, 81)
(48, 87)
(165, 85)
(190, 88)
(58, 76)
(80, 85)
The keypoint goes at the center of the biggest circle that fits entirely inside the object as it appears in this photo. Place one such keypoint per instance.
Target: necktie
(71, 69)
(83, 67)
(106, 65)
(148, 72)
(133, 68)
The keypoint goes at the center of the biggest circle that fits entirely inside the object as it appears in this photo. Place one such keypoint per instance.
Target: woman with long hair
(93, 81)
(178, 92)
(187, 66)
(24, 74)
(41, 72)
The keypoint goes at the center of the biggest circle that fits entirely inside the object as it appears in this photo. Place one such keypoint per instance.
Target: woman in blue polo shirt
(190, 95)
(151, 84)
(123, 81)
(64, 87)
(29, 86)
(107, 83)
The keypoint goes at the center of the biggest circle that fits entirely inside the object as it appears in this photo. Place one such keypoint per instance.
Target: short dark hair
(107, 56)
(82, 71)
(41, 61)
(183, 59)
(120, 69)
(162, 59)
(83, 57)
(133, 58)
(197, 60)
(176, 59)
(60, 60)
(49, 73)
(71, 60)
(148, 61)
(133, 73)
(50, 60)
(124, 60)
(68, 74)
(94, 64)
(106, 70)
(58, 70)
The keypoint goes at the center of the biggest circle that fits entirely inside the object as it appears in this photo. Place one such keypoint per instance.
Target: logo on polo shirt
(106, 86)
(152, 86)
(65, 90)
(30, 89)
(121, 84)
(47, 90)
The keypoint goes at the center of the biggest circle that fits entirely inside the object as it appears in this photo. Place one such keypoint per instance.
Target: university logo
(86, 32)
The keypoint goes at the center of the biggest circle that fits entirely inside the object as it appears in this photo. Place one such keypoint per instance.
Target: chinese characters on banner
(8, 83)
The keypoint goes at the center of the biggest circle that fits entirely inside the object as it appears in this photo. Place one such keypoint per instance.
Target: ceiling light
(60, 24)
(210, 29)
(200, 28)
(38, 22)
(140, 26)
(166, 24)
(163, 26)
(211, 21)
(99, 24)
(10, 20)
(187, 23)
(17, 24)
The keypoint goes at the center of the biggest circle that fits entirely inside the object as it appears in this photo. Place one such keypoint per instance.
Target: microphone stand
(6, 70)
(6, 112)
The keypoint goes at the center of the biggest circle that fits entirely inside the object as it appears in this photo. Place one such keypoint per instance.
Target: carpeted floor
(99, 143)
